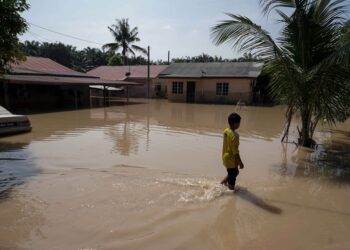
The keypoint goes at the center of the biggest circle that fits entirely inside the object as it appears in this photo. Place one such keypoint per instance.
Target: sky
(179, 26)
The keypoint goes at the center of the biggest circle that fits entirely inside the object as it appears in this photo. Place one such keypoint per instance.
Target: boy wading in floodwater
(230, 153)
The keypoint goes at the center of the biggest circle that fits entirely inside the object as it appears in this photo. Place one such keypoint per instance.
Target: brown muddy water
(147, 176)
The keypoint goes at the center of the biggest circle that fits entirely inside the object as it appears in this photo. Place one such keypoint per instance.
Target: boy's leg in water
(232, 175)
(225, 181)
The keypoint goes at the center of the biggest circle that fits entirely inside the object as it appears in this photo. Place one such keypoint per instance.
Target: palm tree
(248, 57)
(94, 57)
(308, 63)
(124, 39)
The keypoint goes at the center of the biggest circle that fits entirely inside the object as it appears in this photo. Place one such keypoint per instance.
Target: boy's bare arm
(239, 160)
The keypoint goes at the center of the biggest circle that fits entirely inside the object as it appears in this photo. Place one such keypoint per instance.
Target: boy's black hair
(234, 118)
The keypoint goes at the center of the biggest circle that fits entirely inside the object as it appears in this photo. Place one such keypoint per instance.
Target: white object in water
(240, 104)
(13, 124)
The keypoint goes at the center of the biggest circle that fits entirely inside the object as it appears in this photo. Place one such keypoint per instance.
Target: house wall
(138, 91)
(141, 91)
(239, 89)
(178, 97)
(158, 88)
(31, 96)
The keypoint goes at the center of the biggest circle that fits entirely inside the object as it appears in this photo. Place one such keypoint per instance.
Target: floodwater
(146, 176)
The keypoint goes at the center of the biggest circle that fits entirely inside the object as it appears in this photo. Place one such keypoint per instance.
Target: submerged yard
(147, 176)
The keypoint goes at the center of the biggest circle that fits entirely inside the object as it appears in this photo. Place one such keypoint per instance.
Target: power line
(62, 34)
(41, 38)
(35, 36)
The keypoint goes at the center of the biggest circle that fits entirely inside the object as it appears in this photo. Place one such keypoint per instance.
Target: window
(222, 88)
(178, 87)
(175, 87)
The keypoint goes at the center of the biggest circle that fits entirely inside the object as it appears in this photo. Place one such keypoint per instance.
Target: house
(41, 82)
(227, 82)
(137, 73)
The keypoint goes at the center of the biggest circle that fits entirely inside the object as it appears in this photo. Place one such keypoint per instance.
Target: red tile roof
(40, 70)
(42, 65)
(118, 72)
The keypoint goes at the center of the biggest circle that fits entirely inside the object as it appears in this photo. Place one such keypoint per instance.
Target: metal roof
(63, 80)
(44, 71)
(211, 70)
(119, 72)
(43, 66)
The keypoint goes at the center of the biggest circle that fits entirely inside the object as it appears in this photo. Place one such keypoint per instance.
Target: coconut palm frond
(139, 49)
(339, 56)
(132, 52)
(282, 87)
(115, 33)
(269, 5)
(133, 39)
(134, 32)
(124, 38)
(246, 36)
(328, 12)
(111, 46)
(284, 17)
(331, 93)
(345, 33)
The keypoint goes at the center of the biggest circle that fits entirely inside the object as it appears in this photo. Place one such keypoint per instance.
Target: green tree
(308, 64)
(124, 37)
(248, 57)
(69, 56)
(115, 60)
(205, 58)
(11, 25)
(138, 60)
(59, 52)
(93, 57)
(30, 48)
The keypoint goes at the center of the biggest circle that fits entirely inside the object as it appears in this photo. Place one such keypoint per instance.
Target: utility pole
(148, 72)
(168, 57)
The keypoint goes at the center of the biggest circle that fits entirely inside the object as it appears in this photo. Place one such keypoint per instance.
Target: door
(191, 92)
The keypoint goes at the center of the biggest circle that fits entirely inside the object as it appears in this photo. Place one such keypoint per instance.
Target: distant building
(136, 73)
(228, 82)
(43, 83)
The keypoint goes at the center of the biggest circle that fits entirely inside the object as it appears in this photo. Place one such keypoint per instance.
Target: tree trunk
(305, 135)
(124, 57)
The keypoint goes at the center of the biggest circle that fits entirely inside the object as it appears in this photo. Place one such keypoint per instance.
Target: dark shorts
(231, 176)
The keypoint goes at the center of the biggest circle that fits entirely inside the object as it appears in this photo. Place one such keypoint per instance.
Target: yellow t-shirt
(230, 148)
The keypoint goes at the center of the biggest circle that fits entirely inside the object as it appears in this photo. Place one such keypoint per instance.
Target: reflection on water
(135, 176)
(336, 152)
(15, 167)
(126, 137)
(330, 159)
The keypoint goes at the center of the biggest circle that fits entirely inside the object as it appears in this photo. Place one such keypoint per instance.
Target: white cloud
(167, 27)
